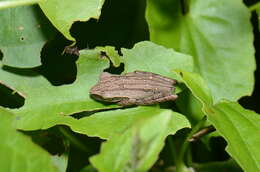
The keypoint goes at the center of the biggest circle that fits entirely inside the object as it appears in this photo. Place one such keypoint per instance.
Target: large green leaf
(23, 32)
(106, 124)
(138, 147)
(147, 56)
(46, 105)
(64, 13)
(18, 152)
(239, 127)
(219, 39)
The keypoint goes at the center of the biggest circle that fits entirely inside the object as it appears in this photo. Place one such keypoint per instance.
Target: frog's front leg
(157, 100)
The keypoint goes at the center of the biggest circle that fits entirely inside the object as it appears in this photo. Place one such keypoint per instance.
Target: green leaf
(112, 54)
(22, 35)
(138, 147)
(195, 82)
(63, 14)
(106, 124)
(219, 39)
(190, 107)
(18, 152)
(148, 56)
(239, 127)
(44, 103)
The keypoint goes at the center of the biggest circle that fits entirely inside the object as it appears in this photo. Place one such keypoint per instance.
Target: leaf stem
(11, 4)
(254, 7)
(180, 166)
(73, 139)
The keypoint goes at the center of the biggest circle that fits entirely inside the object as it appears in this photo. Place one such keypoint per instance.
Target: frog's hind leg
(158, 100)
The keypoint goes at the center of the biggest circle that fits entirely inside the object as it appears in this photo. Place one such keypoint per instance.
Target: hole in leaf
(115, 70)
(10, 98)
(58, 67)
(22, 38)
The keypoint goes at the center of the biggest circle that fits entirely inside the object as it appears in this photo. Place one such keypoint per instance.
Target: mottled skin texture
(135, 88)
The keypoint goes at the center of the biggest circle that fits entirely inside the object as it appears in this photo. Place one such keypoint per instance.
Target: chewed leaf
(44, 101)
(21, 42)
(46, 105)
(63, 14)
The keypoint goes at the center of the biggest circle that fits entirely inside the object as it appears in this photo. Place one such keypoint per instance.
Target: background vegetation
(48, 121)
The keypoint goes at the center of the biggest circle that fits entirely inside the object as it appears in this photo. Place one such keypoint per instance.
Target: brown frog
(134, 88)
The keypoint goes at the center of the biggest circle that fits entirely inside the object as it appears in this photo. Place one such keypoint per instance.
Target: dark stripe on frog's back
(125, 81)
(132, 76)
(148, 87)
(130, 93)
(134, 86)
(149, 74)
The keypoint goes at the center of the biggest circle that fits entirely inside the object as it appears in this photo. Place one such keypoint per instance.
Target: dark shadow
(57, 141)
(58, 67)
(89, 113)
(61, 140)
(121, 24)
(20, 71)
(202, 154)
(50, 140)
(115, 70)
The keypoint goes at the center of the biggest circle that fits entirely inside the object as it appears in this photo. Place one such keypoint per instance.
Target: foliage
(207, 46)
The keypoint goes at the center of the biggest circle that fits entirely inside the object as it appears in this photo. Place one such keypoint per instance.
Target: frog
(134, 88)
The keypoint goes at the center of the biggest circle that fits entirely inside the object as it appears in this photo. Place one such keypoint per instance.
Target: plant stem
(180, 166)
(11, 4)
(73, 139)
(254, 7)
